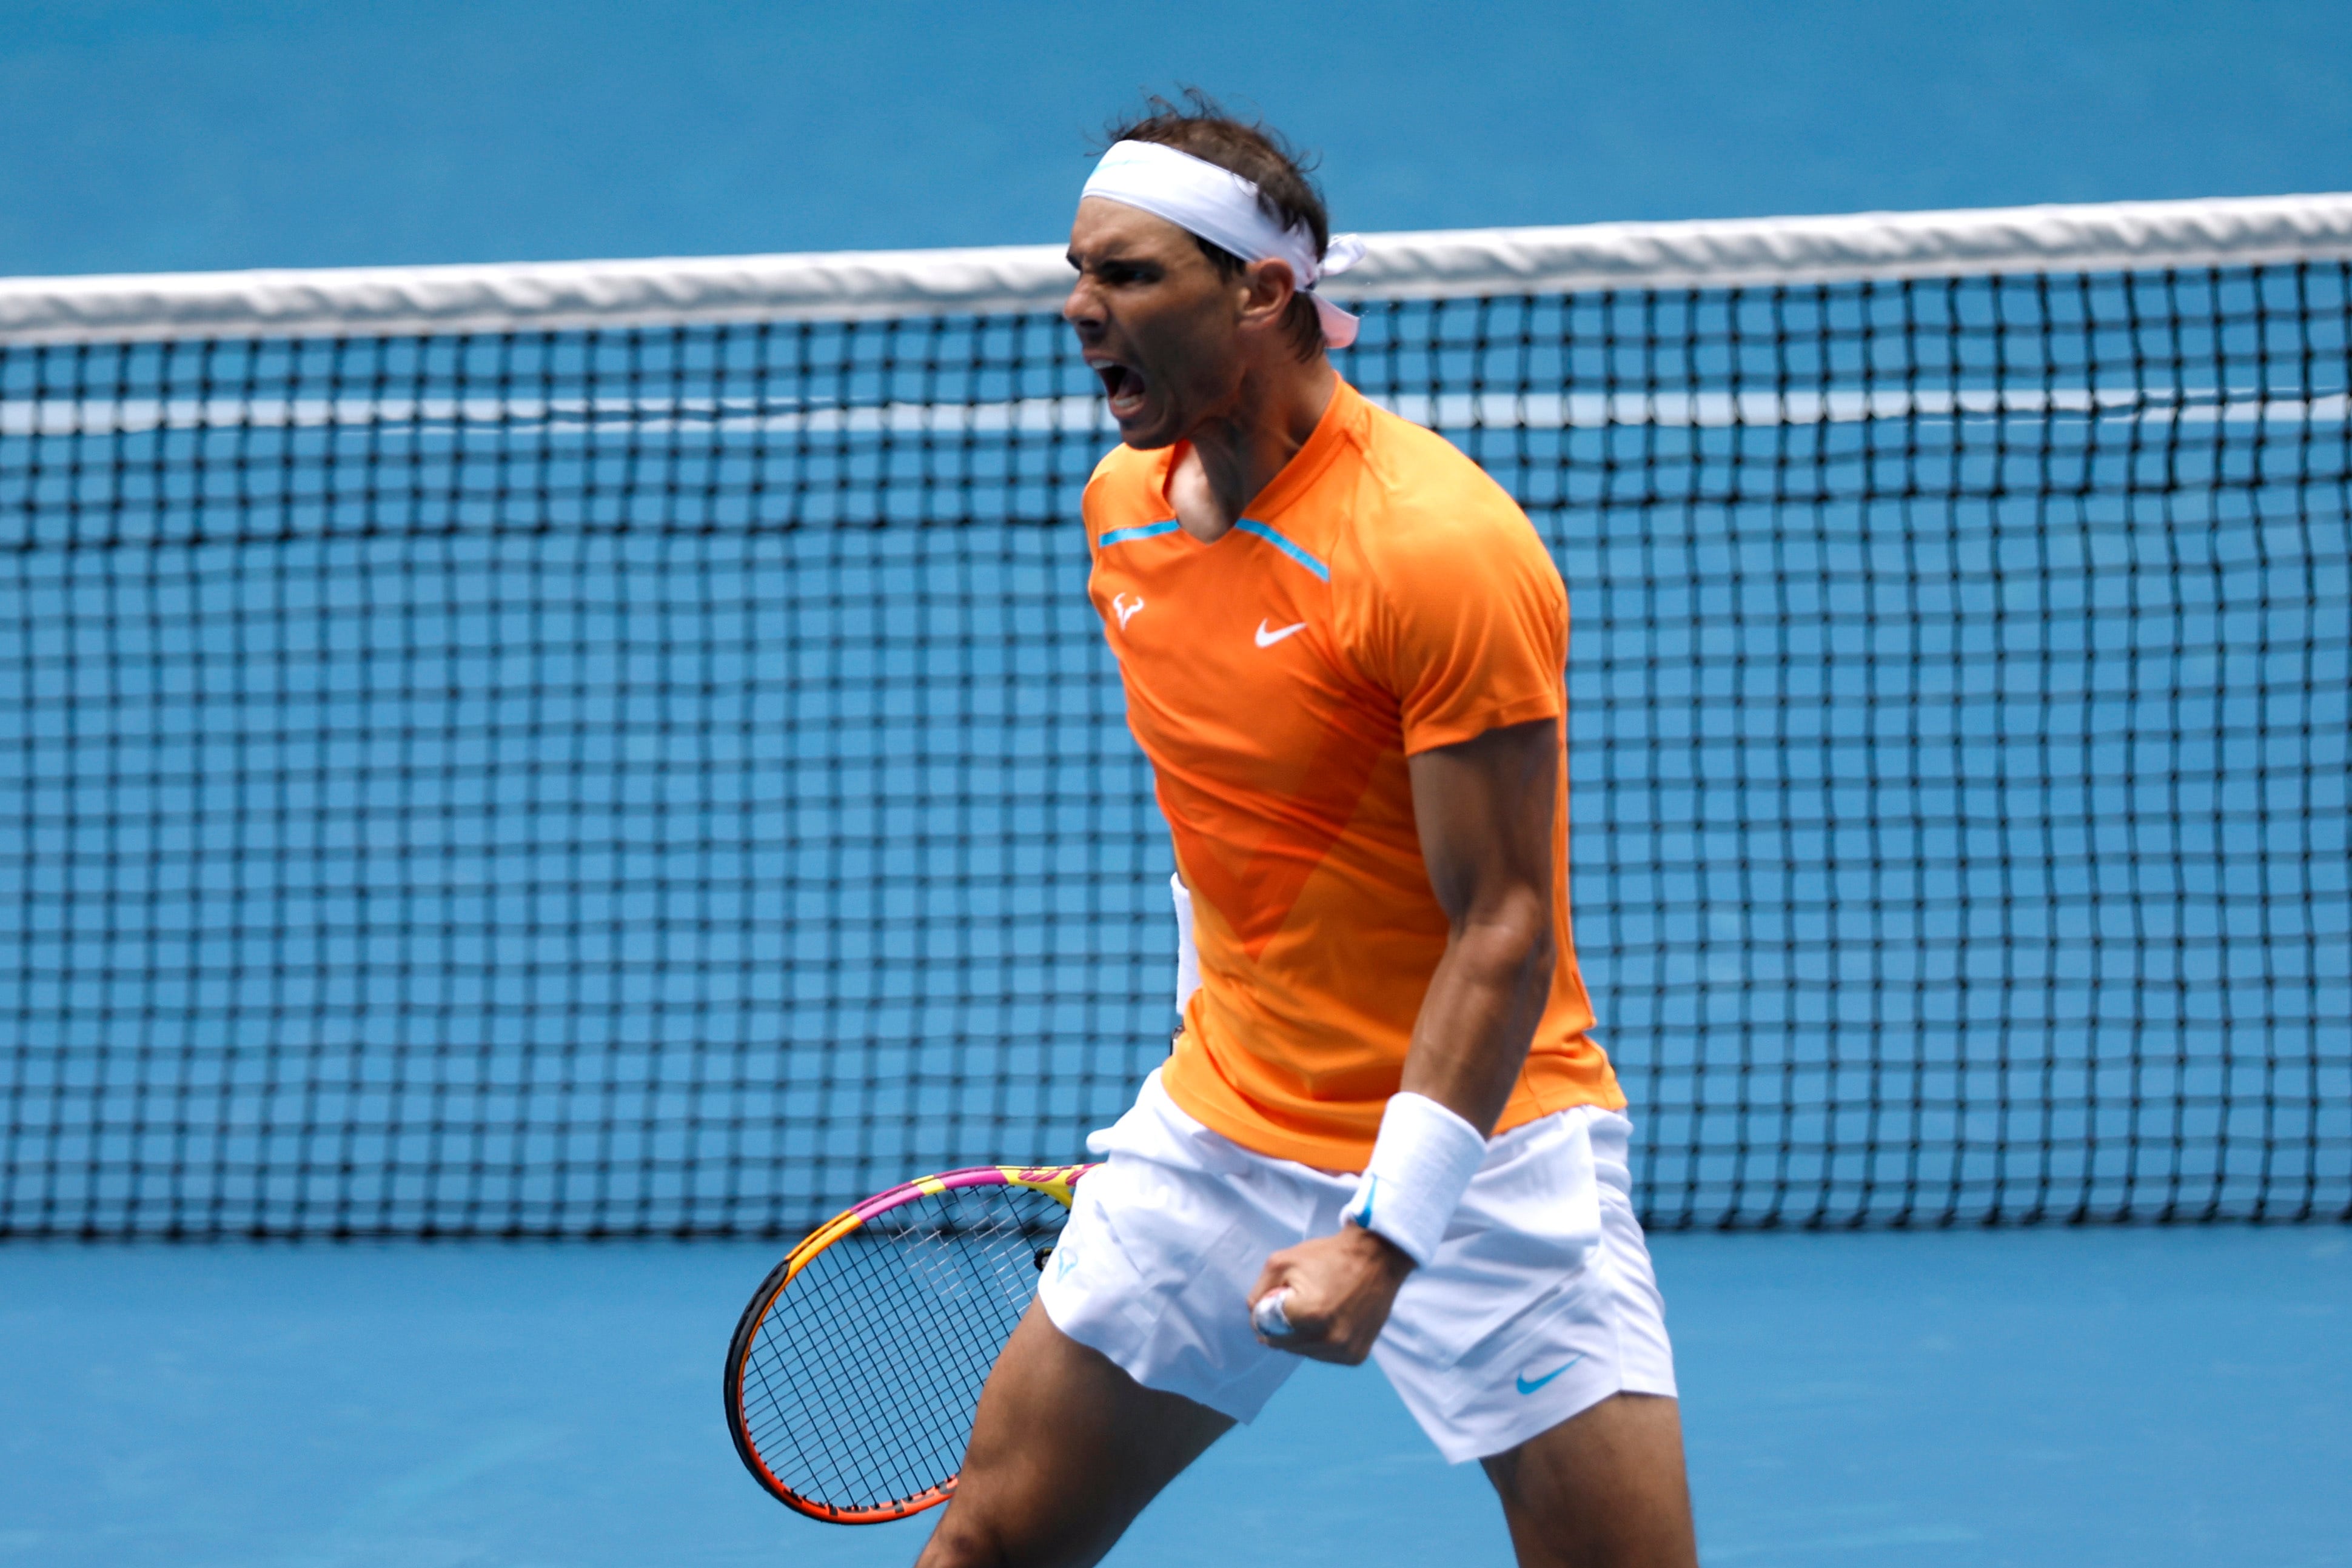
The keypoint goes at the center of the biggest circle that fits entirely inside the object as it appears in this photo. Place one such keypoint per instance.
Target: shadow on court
(2040, 1398)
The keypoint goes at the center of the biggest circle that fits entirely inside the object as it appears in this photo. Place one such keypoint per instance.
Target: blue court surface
(2079, 1397)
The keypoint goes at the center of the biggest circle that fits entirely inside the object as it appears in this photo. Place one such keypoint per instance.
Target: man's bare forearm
(1480, 1015)
(1467, 1048)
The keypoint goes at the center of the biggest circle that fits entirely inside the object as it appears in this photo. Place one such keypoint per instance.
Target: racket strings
(861, 1381)
(948, 1286)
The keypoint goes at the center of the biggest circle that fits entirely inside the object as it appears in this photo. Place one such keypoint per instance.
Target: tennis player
(1385, 1129)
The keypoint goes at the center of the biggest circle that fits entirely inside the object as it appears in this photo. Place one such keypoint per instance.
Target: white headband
(1222, 209)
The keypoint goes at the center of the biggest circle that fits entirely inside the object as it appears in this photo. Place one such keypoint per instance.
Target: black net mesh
(859, 1384)
(670, 780)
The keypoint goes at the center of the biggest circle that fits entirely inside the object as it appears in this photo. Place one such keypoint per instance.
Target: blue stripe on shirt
(1261, 530)
(1141, 530)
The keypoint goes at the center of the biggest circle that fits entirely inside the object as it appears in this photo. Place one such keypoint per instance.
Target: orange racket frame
(1054, 1181)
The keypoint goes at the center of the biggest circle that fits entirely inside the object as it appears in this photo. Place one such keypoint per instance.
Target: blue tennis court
(2024, 1398)
(527, 784)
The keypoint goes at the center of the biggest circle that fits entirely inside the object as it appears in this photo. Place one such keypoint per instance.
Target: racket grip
(1268, 1318)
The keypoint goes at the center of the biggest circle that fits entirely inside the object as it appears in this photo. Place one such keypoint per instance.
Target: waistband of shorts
(1613, 1125)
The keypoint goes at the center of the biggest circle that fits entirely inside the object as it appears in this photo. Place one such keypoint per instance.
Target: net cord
(394, 301)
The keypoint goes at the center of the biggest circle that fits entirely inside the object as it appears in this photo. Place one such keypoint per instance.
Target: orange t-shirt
(1382, 597)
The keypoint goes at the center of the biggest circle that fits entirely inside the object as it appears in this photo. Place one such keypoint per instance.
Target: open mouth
(1123, 387)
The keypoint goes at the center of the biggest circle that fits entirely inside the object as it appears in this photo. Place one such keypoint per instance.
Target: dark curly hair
(1258, 153)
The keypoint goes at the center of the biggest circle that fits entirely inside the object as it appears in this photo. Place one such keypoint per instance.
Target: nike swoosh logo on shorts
(1526, 1387)
(1268, 639)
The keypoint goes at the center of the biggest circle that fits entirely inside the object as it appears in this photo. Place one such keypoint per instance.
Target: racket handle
(1268, 1318)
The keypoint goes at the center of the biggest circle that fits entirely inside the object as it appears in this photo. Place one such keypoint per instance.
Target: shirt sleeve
(1471, 628)
(1091, 501)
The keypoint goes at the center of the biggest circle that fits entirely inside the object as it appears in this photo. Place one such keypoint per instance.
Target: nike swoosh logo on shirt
(1526, 1387)
(1268, 639)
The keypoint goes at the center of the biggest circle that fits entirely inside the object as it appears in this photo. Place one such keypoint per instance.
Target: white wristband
(1422, 1164)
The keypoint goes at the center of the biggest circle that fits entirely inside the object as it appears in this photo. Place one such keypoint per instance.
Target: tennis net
(622, 749)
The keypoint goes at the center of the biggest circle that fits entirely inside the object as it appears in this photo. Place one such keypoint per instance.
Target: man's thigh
(1602, 1489)
(1066, 1449)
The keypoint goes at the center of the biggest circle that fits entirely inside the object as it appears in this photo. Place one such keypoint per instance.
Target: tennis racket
(853, 1377)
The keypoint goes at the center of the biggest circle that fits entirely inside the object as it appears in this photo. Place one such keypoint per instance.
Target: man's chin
(1147, 431)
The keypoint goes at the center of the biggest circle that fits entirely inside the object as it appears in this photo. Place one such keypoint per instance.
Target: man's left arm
(1486, 811)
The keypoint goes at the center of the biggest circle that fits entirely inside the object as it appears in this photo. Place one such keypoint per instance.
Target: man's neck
(1230, 460)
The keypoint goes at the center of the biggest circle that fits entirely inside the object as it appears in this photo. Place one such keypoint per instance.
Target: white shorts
(1539, 1304)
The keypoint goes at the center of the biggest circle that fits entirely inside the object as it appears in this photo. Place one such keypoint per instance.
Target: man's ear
(1271, 290)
